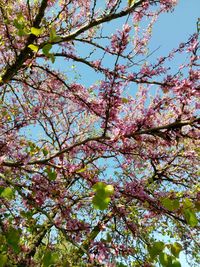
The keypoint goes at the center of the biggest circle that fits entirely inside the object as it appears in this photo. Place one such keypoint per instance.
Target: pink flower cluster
(120, 40)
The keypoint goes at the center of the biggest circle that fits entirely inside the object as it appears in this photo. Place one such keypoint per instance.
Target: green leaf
(13, 238)
(51, 174)
(53, 36)
(46, 259)
(7, 193)
(45, 152)
(36, 31)
(82, 170)
(197, 205)
(187, 203)
(101, 199)
(33, 47)
(165, 259)
(52, 57)
(100, 203)
(176, 263)
(170, 204)
(3, 260)
(50, 258)
(120, 264)
(18, 25)
(189, 212)
(99, 186)
(156, 249)
(2, 240)
(22, 32)
(109, 189)
(103, 189)
(125, 100)
(131, 2)
(27, 214)
(46, 49)
(175, 249)
(190, 217)
(108, 237)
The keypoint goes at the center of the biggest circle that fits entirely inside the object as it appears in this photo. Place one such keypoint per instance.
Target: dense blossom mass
(99, 156)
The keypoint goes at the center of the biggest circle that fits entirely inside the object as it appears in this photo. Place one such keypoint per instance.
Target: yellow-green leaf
(109, 189)
(100, 203)
(7, 193)
(176, 249)
(131, 2)
(190, 217)
(81, 170)
(187, 203)
(36, 31)
(170, 204)
(33, 47)
(165, 259)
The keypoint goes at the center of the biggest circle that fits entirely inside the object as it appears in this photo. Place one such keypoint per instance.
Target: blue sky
(176, 27)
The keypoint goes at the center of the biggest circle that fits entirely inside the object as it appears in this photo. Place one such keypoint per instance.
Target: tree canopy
(99, 142)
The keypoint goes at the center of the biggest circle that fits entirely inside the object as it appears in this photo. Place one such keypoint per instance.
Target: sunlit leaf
(131, 2)
(176, 263)
(109, 190)
(35, 48)
(103, 189)
(36, 31)
(176, 249)
(7, 193)
(99, 186)
(190, 217)
(81, 170)
(103, 192)
(100, 203)
(165, 259)
(187, 203)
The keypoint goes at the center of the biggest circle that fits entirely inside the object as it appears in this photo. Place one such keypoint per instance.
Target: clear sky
(173, 28)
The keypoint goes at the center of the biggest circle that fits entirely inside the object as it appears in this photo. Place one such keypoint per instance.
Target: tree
(112, 178)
